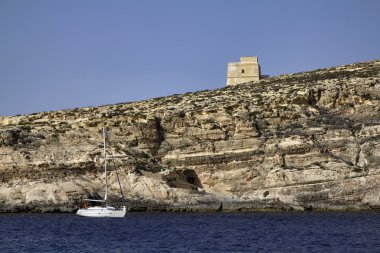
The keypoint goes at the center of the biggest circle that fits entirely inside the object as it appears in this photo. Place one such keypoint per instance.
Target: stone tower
(248, 69)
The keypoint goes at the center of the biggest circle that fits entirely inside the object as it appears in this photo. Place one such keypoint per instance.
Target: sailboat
(103, 209)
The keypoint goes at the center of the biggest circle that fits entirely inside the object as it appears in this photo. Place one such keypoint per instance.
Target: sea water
(192, 232)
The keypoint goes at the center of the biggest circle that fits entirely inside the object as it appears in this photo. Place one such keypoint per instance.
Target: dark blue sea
(192, 232)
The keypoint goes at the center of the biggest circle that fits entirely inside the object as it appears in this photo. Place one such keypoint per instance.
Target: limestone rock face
(302, 141)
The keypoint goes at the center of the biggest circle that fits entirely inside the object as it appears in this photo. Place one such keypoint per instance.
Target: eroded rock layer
(303, 141)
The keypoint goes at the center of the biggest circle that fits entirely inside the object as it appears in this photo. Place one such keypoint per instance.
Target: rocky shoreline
(306, 141)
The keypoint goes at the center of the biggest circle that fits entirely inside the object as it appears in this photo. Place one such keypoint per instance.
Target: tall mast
(105, 164)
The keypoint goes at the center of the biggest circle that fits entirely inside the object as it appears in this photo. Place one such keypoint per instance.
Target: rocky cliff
(302, 141)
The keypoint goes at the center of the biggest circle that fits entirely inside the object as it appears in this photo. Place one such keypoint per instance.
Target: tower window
(242, 71)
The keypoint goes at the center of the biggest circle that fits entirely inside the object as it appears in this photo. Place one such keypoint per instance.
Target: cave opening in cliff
(184, 178)
(192, 178)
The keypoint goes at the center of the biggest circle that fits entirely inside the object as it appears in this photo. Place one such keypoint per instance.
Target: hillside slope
(302, 141)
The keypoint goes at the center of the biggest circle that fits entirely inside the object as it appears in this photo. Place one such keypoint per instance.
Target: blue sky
(76, 53)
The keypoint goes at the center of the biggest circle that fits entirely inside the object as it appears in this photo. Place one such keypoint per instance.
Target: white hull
(102, 212)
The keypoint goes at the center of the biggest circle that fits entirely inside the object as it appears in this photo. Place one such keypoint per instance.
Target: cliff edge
(293, 142)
